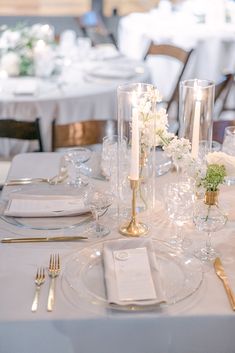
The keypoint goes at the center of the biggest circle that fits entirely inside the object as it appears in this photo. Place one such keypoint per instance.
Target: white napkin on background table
(131, 273)
(26, 87)
(22, 205)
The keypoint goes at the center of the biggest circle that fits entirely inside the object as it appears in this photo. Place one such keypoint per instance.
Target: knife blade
(43, 239)
(219, 269)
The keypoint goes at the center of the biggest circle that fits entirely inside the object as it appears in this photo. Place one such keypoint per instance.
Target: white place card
(133, 274)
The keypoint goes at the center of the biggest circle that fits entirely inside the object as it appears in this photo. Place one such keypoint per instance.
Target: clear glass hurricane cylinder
(136, 121)
(196, 104)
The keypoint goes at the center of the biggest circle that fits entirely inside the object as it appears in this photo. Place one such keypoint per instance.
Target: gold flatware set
(53, 272)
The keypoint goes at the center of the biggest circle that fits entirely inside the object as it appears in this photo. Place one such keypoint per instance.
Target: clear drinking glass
(76, 157)
(98, 201)
(109, 155)
(209, 219)
(179, 199)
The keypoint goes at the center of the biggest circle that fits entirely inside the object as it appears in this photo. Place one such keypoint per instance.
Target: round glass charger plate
(44, 223)
(83, 283)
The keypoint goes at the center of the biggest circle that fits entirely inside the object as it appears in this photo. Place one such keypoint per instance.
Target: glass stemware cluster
(179, 198)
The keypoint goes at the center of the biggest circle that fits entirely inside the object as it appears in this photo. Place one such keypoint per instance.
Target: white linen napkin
(131, 273)
(26, 87)
(22, 205)
(113, 72)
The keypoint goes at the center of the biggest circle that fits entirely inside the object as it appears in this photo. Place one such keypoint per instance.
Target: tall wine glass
(76, 157)
(209, 219)
(179, 198)
(98, 201)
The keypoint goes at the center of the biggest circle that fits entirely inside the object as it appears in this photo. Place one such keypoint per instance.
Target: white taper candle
(134, 169)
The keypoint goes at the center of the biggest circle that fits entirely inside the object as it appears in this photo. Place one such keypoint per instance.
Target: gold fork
(53, 271)
(39, 280)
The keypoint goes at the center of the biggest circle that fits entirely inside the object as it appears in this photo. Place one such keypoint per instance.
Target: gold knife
(42, 239)
(219, 269)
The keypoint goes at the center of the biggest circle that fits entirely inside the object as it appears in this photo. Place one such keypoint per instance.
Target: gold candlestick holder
(134, 228)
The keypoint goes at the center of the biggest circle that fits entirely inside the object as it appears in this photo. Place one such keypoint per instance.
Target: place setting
(122, 264)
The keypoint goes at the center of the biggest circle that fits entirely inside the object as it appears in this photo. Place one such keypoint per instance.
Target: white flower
(222, 159)
(10, 39)
(10, 63)
(178, 149)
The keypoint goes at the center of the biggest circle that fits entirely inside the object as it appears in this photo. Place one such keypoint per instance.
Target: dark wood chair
(180, 55)
(82, 133)
(222, 90)
(21, 130)
(219, 127)
(93, 26)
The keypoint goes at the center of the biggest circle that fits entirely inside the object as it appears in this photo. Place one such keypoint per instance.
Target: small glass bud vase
(210, 218)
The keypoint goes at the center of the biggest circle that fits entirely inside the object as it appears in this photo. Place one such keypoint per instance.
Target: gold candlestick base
(134, 228)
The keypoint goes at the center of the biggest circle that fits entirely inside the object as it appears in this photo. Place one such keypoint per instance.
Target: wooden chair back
(219, 127)
(81, 133)
(222, 89)
(21, 130)
(181, 56)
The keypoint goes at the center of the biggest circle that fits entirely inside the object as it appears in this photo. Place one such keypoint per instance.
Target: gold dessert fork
(39, 280)
(53, 271)
(222, 275)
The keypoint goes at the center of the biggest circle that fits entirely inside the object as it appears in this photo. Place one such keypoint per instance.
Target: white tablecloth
(76, 95)
(213, 43)
(201, 323)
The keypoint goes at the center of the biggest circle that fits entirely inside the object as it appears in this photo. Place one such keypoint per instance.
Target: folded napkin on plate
(131, 273)
(121, 72)
(27, 87)
(44, 206)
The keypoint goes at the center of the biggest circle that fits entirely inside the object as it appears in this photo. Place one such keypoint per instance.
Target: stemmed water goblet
(98, 201)
(209, 219)
(76, 157)
(179, 198)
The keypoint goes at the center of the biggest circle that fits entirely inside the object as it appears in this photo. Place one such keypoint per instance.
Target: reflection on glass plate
(41, 223)
(83, 278)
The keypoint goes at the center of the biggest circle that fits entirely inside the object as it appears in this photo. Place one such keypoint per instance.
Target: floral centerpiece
(20, 47)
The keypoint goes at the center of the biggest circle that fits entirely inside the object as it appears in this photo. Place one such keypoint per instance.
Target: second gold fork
(53, 271)
(39, 280)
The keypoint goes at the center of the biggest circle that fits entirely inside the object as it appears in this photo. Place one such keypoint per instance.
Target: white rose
(12, 38)
(10, 63)
(222, 159)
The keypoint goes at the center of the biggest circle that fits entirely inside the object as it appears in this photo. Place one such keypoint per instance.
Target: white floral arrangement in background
(20, 45)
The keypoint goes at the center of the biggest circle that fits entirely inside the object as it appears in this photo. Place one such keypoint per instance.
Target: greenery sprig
(215, 176)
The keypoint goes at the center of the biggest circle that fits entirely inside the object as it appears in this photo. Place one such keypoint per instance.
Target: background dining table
(201, 322)
(83, 91)
(211, 38)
